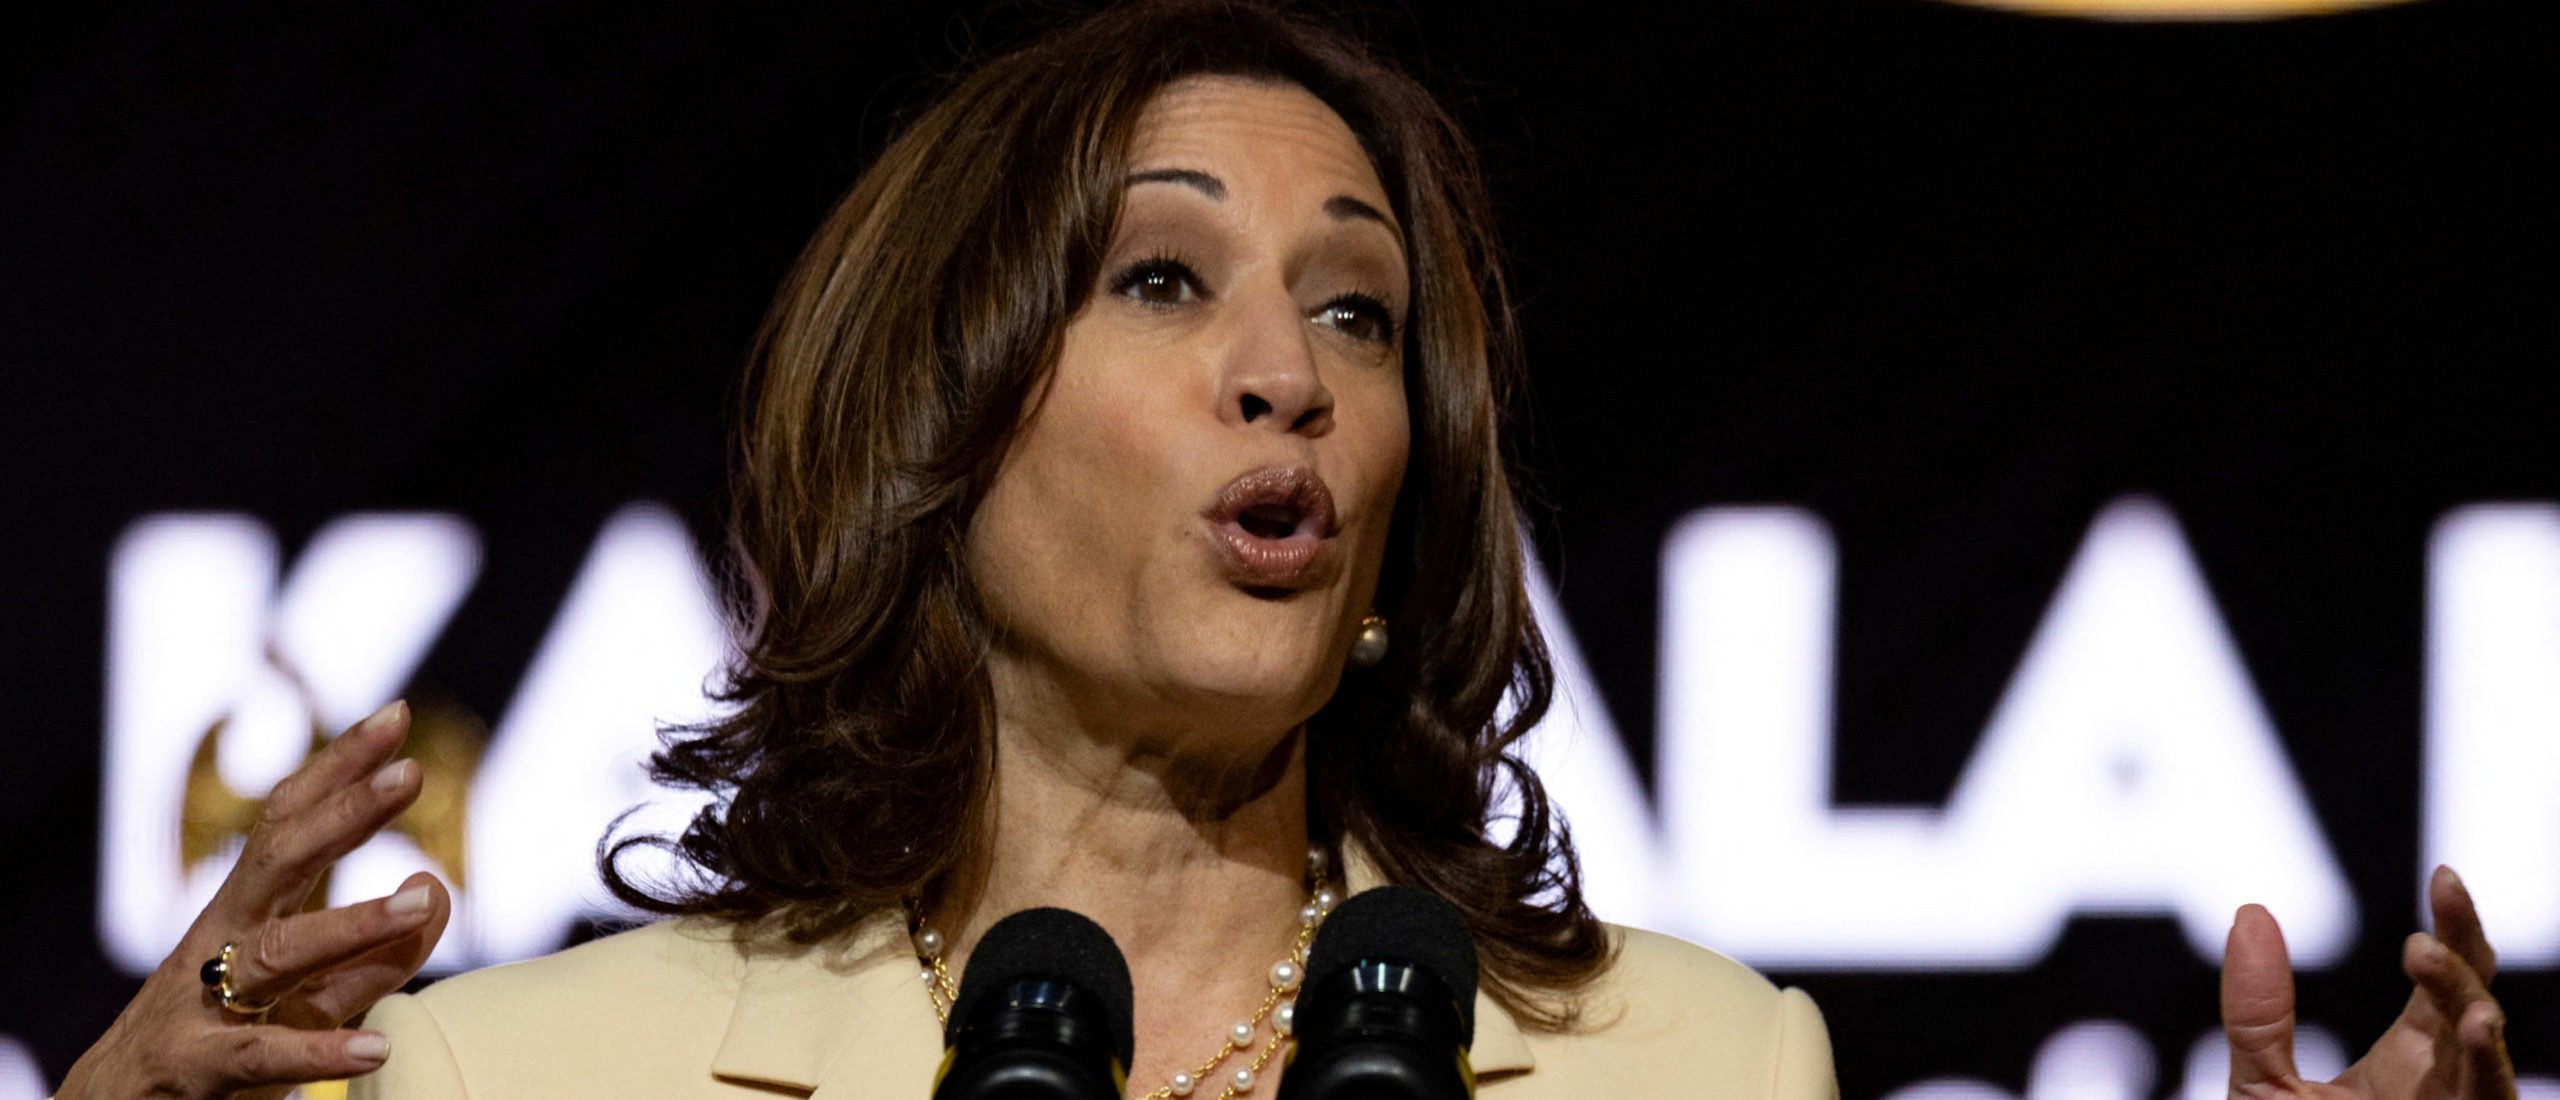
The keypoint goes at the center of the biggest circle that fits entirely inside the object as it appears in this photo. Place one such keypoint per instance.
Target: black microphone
(1042, 1014)
(1389, 1006)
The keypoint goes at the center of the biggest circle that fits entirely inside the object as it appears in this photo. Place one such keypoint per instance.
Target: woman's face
(1188, 527)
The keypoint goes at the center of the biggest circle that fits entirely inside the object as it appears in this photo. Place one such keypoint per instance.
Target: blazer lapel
(841, 1021)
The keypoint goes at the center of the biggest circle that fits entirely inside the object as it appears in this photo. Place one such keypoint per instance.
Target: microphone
(1043, 1013)
(1389, 1006)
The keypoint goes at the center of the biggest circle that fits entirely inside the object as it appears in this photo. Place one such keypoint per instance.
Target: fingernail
(383, 716)
(407, 903)
(369, 1046)
(392, 776)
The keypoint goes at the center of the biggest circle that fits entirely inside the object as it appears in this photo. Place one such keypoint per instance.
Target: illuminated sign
(20, 1079)
(2129, 767)
(2492, 757)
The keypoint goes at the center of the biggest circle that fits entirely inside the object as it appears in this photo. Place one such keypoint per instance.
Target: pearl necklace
(1280, 1005)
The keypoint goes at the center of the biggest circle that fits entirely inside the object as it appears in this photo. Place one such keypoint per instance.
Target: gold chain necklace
(1279, 1005)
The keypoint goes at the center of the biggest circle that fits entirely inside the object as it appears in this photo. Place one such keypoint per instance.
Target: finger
(238, 1058)
(345, 759)
(2450, 983)
(2469, 1037)
(289, 951)
(2484, 1045)
(2445, 988)
(2458, 922)
(288, 852)
(342, 991)
(2257, 1000)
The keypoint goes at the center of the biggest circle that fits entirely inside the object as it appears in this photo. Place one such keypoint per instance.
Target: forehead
(1268, 131)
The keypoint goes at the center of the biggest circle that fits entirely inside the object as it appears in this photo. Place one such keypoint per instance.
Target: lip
(1244, 521)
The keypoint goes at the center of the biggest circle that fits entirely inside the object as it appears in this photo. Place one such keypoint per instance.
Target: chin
(1278, 679)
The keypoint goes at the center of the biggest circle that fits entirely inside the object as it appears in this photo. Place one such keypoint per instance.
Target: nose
(1271, 378)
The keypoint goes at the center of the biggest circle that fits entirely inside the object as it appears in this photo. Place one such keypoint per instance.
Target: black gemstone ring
(216, 976)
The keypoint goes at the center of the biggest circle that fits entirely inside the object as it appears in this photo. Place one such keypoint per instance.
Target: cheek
(1103, 450)
(1068, 507)
(1399, 445)
(1107, 402)
(1375, 445)
(1382, 440)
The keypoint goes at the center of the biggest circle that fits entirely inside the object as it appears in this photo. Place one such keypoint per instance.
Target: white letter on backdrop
(632, 647)
(1576, 753)
(2493, 720)
(2127, 769)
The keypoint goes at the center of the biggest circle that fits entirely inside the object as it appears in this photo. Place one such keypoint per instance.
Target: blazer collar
(852, 1017)
(854, 1012)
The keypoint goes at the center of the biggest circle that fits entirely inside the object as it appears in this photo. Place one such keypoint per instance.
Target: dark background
(1950, 278)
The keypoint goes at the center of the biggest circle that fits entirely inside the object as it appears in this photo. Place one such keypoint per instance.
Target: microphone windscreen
(1407, 925)
(1055, 944)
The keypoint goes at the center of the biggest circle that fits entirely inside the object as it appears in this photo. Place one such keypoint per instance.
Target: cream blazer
(681, 1009)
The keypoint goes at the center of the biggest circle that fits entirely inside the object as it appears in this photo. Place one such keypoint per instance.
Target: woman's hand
(2448, 1044)
(319, 969)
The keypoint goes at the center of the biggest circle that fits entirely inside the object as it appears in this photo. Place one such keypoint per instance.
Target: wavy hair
(881, 394)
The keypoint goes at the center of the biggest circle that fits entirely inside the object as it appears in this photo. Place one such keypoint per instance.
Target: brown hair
(881, 395)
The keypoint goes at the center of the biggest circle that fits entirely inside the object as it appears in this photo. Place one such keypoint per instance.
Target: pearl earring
(1371, 646)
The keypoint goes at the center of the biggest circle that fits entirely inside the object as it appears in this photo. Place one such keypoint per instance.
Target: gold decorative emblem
(444, 738)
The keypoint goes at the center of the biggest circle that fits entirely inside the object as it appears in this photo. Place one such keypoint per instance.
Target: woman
(1123, 524)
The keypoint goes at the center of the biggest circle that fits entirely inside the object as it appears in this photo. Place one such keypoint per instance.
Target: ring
(216, 976)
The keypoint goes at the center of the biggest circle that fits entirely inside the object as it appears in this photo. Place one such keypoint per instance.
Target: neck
(1195, 862)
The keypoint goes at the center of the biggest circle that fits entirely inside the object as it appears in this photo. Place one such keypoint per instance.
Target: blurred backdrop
(2011, 488)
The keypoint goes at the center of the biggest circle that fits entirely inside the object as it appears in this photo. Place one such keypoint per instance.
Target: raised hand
(2448, 1044)
(318, 969)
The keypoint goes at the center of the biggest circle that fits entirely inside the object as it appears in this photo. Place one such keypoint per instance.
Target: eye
(1359, 316)
(1159, 281)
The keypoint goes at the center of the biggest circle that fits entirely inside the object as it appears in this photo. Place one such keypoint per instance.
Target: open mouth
(1274, 528)
(1271, 521)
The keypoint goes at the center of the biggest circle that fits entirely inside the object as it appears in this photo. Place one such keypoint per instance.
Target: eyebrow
(1344, 206)
(1201, 182)
(1341, 207)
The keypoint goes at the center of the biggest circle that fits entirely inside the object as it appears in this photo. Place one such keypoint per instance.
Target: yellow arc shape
(2178, 9)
